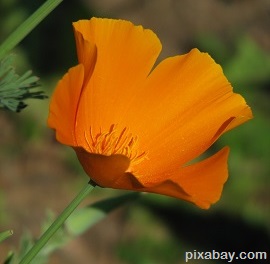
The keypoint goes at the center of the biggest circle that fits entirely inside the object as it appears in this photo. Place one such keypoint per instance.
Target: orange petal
(87, 53)
(64, 105)
(186, 105)
(204, 181)
(125, 56)
(200, 183)
(106, 171)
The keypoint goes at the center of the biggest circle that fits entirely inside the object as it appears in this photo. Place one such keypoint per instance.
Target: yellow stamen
(115, 142)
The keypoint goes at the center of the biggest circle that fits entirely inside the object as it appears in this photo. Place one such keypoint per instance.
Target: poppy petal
(187, 104)
(87, 54)
(64, 105)
(202, 182)
(103, 170)
(125, 56)
(112, 172)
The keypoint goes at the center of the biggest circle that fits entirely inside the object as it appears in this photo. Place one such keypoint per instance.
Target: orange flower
(136, 128)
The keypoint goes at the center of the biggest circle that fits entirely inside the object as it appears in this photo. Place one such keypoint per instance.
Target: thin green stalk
(6, 234)
(28, 25)
(57, 224)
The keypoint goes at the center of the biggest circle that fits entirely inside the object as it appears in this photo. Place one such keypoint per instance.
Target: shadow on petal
(108, 171)
(223, 128)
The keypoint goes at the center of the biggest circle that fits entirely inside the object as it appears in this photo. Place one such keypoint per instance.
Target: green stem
(28, 25)
(6, 234)
(57, 224)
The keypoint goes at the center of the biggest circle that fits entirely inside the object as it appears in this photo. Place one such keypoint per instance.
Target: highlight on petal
(134, 127)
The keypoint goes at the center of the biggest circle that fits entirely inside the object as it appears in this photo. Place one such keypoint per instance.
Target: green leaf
(14, 89)
(6, 234)
(85, 218)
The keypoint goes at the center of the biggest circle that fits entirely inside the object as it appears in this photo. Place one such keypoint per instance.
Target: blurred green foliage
(81, 220)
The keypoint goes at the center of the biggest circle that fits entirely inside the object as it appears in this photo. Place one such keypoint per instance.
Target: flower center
(115, 141)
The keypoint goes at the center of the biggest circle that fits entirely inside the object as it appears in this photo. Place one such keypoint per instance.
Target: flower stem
(57, 223)
(4, 235)
(28, 25)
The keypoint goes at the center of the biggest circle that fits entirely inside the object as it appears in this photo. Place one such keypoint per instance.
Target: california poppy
(136, 127)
